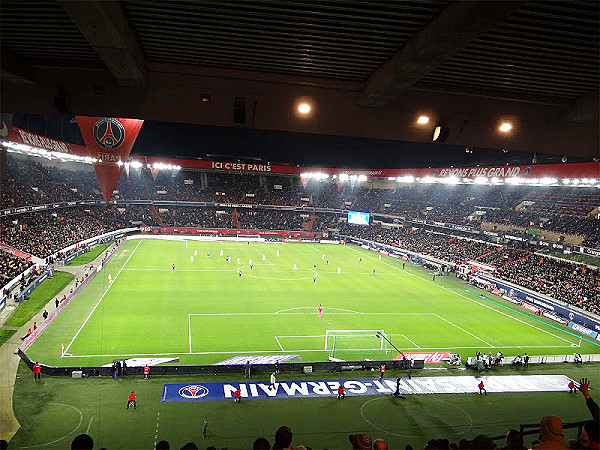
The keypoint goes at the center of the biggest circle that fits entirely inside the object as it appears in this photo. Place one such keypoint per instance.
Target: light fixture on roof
(440, 133)
(423, 120)
(304, 108)
(505, 127)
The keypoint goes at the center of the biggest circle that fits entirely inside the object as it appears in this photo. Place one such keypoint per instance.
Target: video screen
(359, 218)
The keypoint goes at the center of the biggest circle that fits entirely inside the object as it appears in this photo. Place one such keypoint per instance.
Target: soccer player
(373, 270)
(192, 259)
(131, 400)
(360, 259)
(278, 253)
(327, 262)
(320, 309)
(251, 266)
(195, 252)
(571, 386)
(273, 380)
(228, 259)
(109, 279)
(481, 388)
(221, 252)
(34, 326)
(341, 393)
(381, 371)
(173, 267)
(339, 270)
(525, 360)
(314, 279)
(237, 395)
(314, 265)
(433, 277)
(295, 267)
(239, 274)
(37, 370)
(403, 264)
(146, 372)
(264, 257)
(208, 255)
(323, 257)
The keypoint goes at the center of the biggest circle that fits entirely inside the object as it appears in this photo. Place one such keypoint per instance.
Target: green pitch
(204, 312)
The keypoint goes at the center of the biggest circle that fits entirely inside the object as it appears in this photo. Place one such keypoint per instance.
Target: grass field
(203, 312)
(54, 410)
(38, 298)
(88, 257)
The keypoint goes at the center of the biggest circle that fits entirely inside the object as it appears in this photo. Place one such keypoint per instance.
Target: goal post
(355, 340)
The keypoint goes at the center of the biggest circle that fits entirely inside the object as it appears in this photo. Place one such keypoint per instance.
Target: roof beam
(105, 27)
(16, 66)
(456, 26)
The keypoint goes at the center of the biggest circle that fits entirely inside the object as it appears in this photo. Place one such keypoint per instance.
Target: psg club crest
(193, 391)
(109, 133)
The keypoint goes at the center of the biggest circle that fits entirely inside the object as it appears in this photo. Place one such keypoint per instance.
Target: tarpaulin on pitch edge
(192, 392)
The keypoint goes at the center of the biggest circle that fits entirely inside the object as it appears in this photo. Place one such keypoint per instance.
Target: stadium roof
(367, 67)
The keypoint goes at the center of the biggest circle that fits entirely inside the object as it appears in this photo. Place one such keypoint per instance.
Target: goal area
(355, 341)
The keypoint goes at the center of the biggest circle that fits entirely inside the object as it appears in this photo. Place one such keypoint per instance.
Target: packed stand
(44, 234)
(503, 255)
(569, 282)
(11, 266)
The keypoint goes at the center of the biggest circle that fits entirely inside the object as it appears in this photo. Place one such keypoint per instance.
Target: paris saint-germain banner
(193, 392)
(109, 141)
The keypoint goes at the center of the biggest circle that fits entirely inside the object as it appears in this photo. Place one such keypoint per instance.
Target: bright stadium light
(423, 120)
(428, 179)
(481, 180)
(392, 178)
(505, 127)
(406, 179)
(451, 180)
(362, 178)
(566, 181)
(304, 108)
(344, 177)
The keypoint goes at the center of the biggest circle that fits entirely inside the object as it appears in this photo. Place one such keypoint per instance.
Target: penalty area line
(462, 329)
(96, 305)
(279, 343)
(474, 301)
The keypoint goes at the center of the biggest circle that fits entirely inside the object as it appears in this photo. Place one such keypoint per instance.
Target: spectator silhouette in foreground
(590, 438)
(261, 444)
(283, 438)
(551, 434)
(82, 442)
(514, 440)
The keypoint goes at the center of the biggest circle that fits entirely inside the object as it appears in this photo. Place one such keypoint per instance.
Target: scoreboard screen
(359, 218)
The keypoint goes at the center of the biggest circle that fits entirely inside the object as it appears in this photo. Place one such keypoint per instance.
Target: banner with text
(193, 392)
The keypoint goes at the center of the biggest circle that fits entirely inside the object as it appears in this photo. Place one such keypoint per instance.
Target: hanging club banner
(109, 141)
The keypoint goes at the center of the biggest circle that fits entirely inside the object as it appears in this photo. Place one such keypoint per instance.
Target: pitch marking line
(89, 425)
(409, 340)
(66, 435)
(280, 346)
(439, 349)
(190, 330)
(462, 329)
(314, 313)
(95, 306)
(470, 299)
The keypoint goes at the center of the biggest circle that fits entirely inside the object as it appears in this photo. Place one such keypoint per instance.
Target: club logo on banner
(109, 133)
(109, 141)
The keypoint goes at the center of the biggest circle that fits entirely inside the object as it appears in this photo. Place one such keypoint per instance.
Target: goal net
(337, 341)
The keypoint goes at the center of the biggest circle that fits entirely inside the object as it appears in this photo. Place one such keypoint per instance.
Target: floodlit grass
(203, 312)
(88, 257)
(5, 335)
(50, 409)
(38, 298)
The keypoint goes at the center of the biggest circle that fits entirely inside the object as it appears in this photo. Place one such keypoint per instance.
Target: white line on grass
(66, 435)
(464, 296)
(280, 346)
(462, 329)
(89, 425)
(95, 306)
(409, 340)
(190, 330)
(296, 351)
(312, 313)
(312, 307)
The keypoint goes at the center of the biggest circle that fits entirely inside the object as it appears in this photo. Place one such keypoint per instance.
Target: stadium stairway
(9, 361)
(158, 218)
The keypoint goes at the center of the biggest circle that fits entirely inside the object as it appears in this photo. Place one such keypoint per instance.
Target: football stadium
(310, 225)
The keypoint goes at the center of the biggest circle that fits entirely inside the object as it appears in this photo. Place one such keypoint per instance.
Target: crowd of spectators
(503, 255)
(11, 266)
(45, 233)
(27, 181)
(572, 283)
